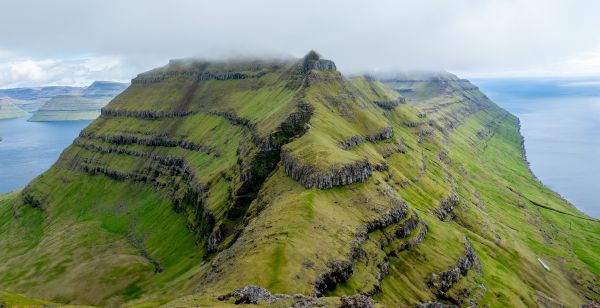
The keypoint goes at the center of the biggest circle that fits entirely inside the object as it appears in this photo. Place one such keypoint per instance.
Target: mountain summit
(284, 183)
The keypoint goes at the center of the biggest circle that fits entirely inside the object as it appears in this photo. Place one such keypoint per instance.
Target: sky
(74, 42)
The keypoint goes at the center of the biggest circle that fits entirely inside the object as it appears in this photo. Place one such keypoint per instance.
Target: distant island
(9, 110)
(79, 107)
(58, 103)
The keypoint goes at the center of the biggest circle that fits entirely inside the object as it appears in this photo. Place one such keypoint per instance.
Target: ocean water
(28, 149)
(560, 120)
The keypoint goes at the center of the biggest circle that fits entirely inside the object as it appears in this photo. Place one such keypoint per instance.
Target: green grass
(89, 240)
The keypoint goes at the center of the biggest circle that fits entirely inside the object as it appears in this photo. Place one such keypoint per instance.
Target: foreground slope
(202, 178)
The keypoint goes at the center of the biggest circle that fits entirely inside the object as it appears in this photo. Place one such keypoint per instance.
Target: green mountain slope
(204, 178)
(8, 110)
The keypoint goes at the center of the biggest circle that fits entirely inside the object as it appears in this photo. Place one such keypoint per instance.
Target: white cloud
(475, 37)
(586, 63)
(22, 72)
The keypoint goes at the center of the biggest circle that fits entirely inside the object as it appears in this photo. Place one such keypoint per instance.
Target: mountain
(9, 110)
(104, 89)
(285, 183)
(69, 107)
(31, 99)
(79, 107)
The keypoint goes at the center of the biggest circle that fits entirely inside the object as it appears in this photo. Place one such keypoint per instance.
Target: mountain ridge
(202, 180)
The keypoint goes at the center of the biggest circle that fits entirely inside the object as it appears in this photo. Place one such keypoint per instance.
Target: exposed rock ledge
(253, 294)
(336, 175)
(353, 141)
(446, 209)
(440, 283)
(389, 105)
(150, 78)
(144, 114)
(385, 133)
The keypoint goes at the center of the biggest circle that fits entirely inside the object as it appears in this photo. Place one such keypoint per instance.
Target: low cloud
(470, 37)
(28, 72)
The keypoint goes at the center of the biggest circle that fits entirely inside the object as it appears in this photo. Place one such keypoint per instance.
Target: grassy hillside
(204, 178)
(8, 110)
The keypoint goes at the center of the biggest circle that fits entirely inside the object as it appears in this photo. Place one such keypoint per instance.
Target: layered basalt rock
(171, 175)
(234, 119)
(256, 161)
(336, 175)
(390, 105)
(356, 301)
(384, 134)
(393, 216)
(294, 125)
(255, 295)
(144, 114)
(201, 71)
(445, 211)
(338, 272)
(436, 305)
(312, 61)
(407, 227)
(153, 141)
(441, 282)
(412, 241)
(164, 159)
(351, 142)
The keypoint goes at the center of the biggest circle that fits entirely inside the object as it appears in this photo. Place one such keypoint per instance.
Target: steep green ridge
(205, 177)
(8, 110)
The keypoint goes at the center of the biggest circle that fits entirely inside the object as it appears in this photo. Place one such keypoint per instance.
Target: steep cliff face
(285, 183)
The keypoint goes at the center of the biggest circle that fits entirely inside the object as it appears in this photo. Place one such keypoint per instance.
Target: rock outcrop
(351, 142)
(255, 295)
(390, 105)
(144, 114)
(384, 134)
(312, 61)
(440, 283)
(155, 77)
(338, 272)
(445, 210)
(436, 305)
(153, 141)
(336, 175)
(357, 301)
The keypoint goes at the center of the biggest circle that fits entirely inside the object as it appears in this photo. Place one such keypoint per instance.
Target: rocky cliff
(285, 183)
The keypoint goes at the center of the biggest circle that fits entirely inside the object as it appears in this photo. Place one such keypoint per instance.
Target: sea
(28, 149)
(560, 121)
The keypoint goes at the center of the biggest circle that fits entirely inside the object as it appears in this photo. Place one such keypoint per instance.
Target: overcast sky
(75, 42)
